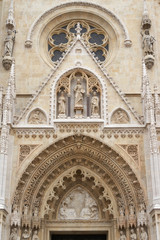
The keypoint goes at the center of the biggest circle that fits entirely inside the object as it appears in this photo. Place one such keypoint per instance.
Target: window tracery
(78, 96)
(93, 35)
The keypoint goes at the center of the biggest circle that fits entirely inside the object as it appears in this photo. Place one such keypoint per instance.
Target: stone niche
(78, 96)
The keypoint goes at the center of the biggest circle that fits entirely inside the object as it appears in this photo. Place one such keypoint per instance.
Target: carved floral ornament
(81, 153)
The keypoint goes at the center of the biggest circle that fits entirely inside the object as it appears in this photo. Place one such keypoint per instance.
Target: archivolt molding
(84, 151)
(104, 101)
(49, 13)
(72, 176)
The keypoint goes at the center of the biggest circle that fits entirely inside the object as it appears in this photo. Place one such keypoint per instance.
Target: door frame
(80, 227)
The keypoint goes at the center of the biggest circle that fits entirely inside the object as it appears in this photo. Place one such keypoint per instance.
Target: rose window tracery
(78, 96)
(96, 39)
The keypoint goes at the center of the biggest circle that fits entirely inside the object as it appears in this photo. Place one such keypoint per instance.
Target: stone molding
(49, 12)
(110, 166)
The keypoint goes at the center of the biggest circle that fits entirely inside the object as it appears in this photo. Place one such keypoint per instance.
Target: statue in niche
(143, 235)
(61, 104)
(79, 94)
(133, 235)
(147, 43)
(26, 234)
(78, 205)
(120, 117)
(14, 234)
(15, 217)
(9, 43)
(122, 236)
(37, 117)
(95, 105)
(35, 235)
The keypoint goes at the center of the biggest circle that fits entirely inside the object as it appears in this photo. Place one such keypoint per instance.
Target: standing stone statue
(9, 43)
(95, 104)
(26, 234)
(35, 235)
(61, 104)
(122, 236)
(143, 235)
(133, 235)
(79, 92)
(14, 234)
(147, 43)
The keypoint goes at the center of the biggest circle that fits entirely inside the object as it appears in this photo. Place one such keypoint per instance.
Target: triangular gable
(80, 56)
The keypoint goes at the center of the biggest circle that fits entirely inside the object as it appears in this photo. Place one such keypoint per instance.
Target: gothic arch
(80, 152)
(53, 103)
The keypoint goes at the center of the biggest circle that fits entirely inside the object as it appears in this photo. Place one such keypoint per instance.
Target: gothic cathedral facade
(79, 120)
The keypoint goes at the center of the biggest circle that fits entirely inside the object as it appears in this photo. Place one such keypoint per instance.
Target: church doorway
(79, 236)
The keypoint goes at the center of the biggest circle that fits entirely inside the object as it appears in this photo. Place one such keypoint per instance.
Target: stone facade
(79, 119)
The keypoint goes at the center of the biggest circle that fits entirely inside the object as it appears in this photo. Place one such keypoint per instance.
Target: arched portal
(82, 170)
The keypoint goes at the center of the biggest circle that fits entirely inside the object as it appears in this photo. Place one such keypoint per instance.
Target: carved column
(152, 156)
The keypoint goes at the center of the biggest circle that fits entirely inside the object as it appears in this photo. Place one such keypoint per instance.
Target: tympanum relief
(37, 117)
(78, 205)
(78, 96)
(120, 117)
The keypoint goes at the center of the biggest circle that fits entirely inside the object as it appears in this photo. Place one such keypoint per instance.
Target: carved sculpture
(78, 205)
(122, 219)
(95, 105)
(143, 235)
(35, 235)
(133, 235)
(14, 234)
(142, 217)
(37, 117)
(79, 92)
(26, 234)
(61, 105)
(147, 39)
(8, 49)
(122, 236)
(132, 217)
(15, 217)
(120, 117)
(147, 43)
(9, 43)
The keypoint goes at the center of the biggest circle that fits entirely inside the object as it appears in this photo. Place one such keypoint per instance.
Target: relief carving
(26, 234)
(14, 234)
(35, 235)
(37, 117)
(120, 117)
(132, 150)
(143, 234)
(133, 235)
(122, 236)
(25, 150)
(78, 205)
